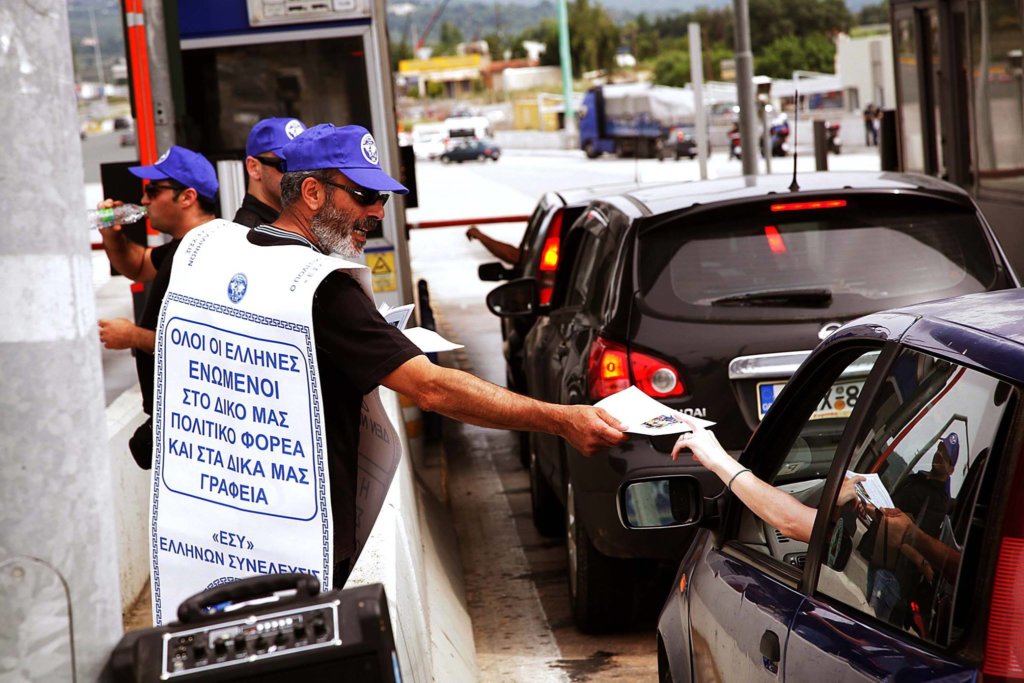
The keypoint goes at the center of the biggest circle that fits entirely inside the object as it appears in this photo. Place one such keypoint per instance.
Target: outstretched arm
(503, 250)
(776, 507)
(464, 397)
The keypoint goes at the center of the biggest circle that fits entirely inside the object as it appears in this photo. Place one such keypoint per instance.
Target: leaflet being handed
(644, 415)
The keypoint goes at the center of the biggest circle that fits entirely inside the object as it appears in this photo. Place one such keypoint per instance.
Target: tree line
(785, 36)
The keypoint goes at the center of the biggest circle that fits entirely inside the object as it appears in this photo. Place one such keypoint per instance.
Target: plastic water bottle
(115, 215)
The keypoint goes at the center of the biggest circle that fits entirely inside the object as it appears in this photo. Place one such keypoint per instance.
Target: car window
(858, 257)
(896, 552)
(582, 272)
(823, 415)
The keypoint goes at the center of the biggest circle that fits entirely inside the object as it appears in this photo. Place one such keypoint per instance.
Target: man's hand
(472, 233)
(848, 491)
(109, 204)
(118, 333)
(591, 430)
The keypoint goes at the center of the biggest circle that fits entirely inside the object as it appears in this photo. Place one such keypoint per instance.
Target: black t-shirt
(925, 500)
(355, 349)
(162, 257)
(253, 212)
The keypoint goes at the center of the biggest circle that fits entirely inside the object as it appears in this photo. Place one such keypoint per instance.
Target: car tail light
(549, 259)
(613, 368)
(1004, 657)
(137, 287)
(809, 206)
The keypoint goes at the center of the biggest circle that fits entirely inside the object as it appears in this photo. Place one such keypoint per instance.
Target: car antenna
(795, 186)
(636, 161)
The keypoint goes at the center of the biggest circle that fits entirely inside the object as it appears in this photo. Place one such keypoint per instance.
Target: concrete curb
(412, 551)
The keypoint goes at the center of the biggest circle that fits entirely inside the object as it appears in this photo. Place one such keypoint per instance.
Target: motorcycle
(835, 144)
(735, 151)
(779, 133)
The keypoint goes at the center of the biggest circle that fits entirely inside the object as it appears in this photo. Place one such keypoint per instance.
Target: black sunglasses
(363, 196)
(277, 164)
(152, 189)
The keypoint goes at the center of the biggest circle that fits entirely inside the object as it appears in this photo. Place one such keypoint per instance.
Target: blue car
(921, 576)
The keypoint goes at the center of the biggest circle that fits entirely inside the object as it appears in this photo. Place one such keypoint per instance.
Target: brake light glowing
(809, 206)
(549, 254)
(549, 259)
(775, 241)
(612, 368)
(1005, 634)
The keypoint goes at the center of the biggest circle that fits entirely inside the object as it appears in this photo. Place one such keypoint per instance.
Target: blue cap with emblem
(189, 168)
(350, 149)
(952, 443)
(271, 135)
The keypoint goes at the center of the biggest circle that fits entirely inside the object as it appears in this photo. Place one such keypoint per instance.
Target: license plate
(839, 402)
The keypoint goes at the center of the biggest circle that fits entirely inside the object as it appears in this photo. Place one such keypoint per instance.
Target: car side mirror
(516, 299)
(494, 272)
(661, 502)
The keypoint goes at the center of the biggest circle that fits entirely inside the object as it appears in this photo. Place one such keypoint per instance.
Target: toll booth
(322, 61)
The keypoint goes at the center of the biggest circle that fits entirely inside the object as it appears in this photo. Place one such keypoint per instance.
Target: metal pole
(697, 79)
(159, 74)
(98, 56)
(745, 87)
(566, 59)
(60, 604)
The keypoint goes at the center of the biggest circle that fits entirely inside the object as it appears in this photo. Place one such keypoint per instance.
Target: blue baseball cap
(952, 443)
(350, 149)
(189, 168)
(271, 135)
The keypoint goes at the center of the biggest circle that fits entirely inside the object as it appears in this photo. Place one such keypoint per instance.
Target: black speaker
(267, 629)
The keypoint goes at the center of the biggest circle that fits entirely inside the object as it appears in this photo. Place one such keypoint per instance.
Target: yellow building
(456, 72)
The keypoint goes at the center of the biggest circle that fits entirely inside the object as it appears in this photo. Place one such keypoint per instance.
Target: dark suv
(538, 260)
(707, 296)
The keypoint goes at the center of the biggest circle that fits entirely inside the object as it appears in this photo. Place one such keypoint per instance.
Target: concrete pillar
(820, 146)
(59, 600)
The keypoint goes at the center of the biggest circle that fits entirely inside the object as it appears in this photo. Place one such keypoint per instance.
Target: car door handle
(771, 653)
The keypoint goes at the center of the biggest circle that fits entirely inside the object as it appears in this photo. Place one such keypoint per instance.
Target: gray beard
(332, 228)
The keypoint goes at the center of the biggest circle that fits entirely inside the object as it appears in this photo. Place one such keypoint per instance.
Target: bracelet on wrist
(729, 485)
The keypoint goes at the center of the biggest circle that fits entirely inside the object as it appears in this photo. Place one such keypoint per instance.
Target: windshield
(847, 261)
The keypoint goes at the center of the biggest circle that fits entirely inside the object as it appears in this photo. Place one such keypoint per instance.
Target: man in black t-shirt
(263, 166)
(180, 196)
(333, 194)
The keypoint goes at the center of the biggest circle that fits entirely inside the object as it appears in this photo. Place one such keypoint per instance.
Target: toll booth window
(232, 87)
(997, 65)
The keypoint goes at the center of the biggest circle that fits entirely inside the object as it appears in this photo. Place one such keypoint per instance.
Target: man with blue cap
(181, 195)
(333, 194)
(924, 495)
(264, 165)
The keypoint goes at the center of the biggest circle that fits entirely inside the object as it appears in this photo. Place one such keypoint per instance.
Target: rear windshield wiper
(777, 297)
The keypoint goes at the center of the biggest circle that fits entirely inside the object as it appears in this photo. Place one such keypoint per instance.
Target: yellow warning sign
(382, 269)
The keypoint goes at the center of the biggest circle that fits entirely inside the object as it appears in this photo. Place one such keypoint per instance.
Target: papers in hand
(397, 316)
(872, 490)
(644, 415)
(429, 341)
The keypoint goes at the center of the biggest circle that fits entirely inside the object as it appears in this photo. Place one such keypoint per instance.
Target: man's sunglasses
(152, 189)
(276, 164)
(362, 195)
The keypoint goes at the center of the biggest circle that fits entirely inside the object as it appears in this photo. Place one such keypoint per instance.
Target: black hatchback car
(707, 296)
(471, 149)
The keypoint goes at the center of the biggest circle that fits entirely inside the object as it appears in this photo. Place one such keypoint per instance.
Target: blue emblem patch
(237, 287)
